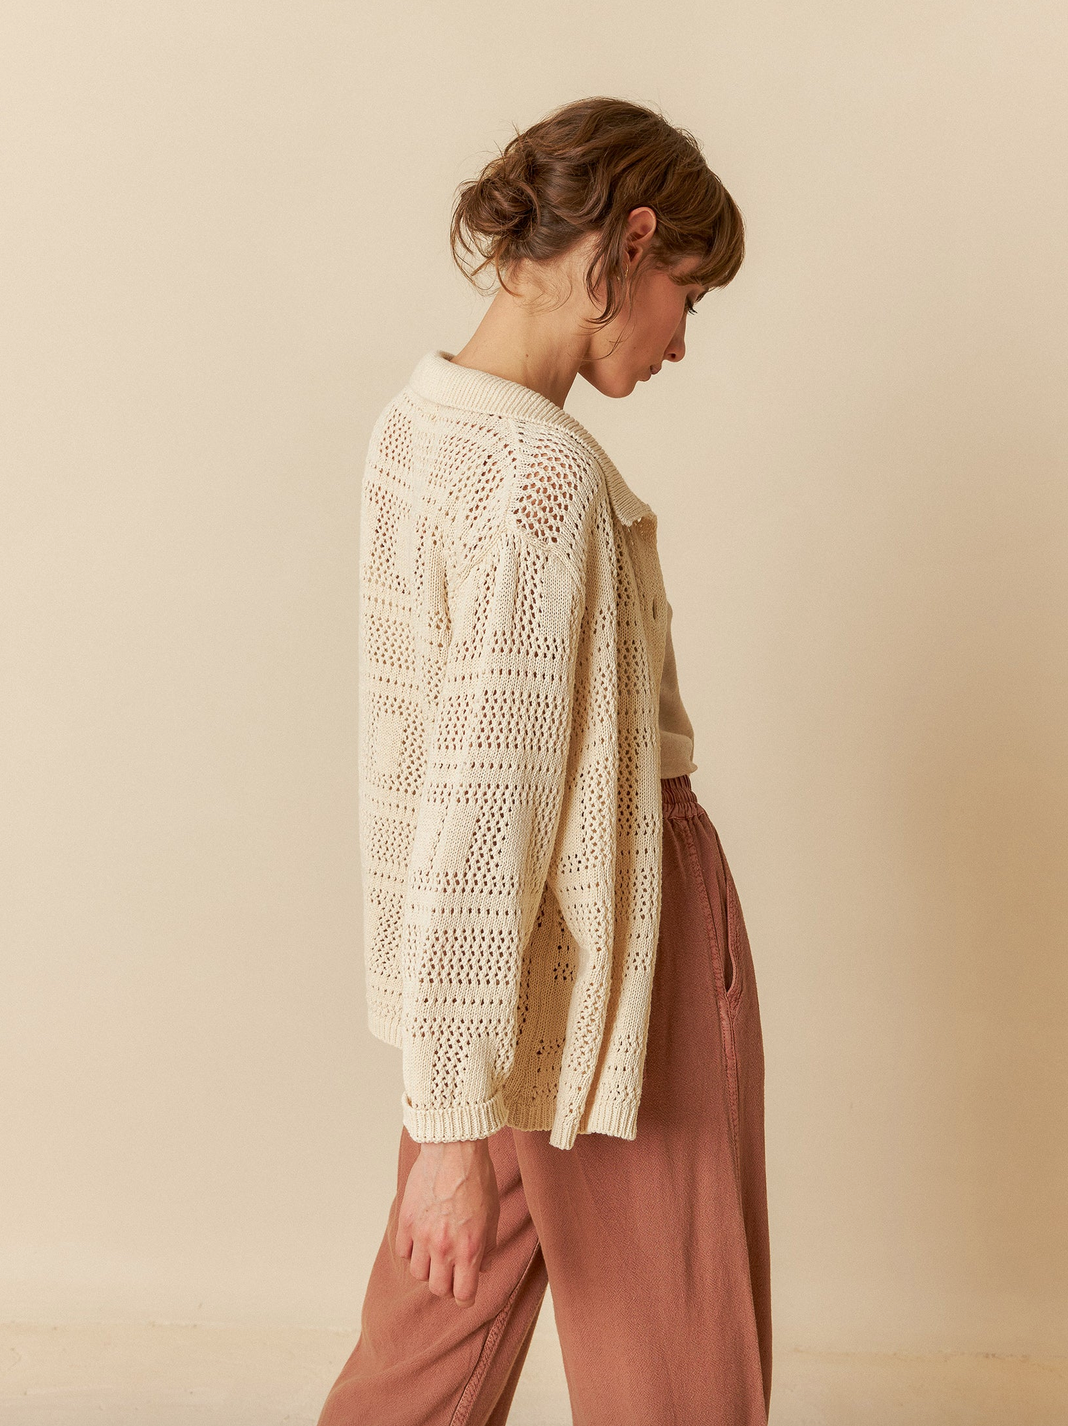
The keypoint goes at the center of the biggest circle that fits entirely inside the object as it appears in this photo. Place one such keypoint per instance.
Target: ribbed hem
(678, 797)
(478, 1121)
(619, 1119)
(461, 1121)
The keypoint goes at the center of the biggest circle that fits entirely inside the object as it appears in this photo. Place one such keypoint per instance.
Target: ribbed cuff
(459, 1121)
(620, 1119)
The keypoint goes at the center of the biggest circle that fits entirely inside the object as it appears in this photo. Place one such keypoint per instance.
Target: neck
(541, 350)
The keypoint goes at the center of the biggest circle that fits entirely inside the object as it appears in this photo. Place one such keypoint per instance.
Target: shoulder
(477, 474)
(559, 487)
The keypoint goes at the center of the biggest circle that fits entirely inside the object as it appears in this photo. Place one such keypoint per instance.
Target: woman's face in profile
(649, 330)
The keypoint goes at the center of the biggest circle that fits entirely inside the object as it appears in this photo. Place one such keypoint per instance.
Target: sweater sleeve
(487, 819)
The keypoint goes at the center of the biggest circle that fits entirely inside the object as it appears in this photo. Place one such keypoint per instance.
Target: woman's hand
(448, 1217)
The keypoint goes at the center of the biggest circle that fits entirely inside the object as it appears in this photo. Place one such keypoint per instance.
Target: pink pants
(656, 1247)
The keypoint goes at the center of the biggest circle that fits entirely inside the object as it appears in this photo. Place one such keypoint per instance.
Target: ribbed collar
(437, 378)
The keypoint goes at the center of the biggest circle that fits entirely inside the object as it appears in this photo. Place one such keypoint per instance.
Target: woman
(553, 937)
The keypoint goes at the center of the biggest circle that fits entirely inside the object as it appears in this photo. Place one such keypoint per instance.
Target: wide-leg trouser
(656, 1247)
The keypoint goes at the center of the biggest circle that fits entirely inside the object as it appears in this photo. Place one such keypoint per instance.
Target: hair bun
(508, 198)
(581, 170)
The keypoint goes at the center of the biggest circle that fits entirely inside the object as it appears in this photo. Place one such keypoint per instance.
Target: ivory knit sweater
(513, 632)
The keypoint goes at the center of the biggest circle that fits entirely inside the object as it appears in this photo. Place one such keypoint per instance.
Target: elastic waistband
(678, 797)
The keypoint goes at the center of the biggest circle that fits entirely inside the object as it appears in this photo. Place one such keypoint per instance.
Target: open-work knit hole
(545, 496)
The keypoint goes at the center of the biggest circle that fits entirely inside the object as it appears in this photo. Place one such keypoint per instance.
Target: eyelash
(691, 309)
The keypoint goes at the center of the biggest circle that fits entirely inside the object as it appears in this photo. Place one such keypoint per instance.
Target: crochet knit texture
(512, 635)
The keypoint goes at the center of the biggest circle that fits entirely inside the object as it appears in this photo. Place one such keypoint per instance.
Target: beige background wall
(224, 248)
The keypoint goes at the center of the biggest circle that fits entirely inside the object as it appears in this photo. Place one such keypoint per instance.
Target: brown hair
(584, 168)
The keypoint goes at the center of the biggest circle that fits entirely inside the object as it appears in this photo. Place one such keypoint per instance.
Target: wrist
(454, 1148)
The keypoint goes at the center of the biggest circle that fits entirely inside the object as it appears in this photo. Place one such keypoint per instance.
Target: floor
(207, 1376)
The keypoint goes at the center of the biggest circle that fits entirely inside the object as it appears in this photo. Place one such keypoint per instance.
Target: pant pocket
(736, 951)
(725, 999)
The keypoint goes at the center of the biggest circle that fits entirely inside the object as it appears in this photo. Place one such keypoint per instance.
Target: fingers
(465, 1281)
(421, 1265)
(440, 1280)
(404, 1242)
(446, 1272)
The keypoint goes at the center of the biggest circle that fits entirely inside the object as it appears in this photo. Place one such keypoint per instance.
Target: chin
(609, 384)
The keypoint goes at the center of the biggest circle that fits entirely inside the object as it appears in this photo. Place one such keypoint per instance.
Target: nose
(676, 348)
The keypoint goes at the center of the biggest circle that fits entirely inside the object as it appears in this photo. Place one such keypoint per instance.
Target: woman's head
(608, 192)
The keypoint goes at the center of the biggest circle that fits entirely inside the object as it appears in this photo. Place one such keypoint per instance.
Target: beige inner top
(676, 730)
